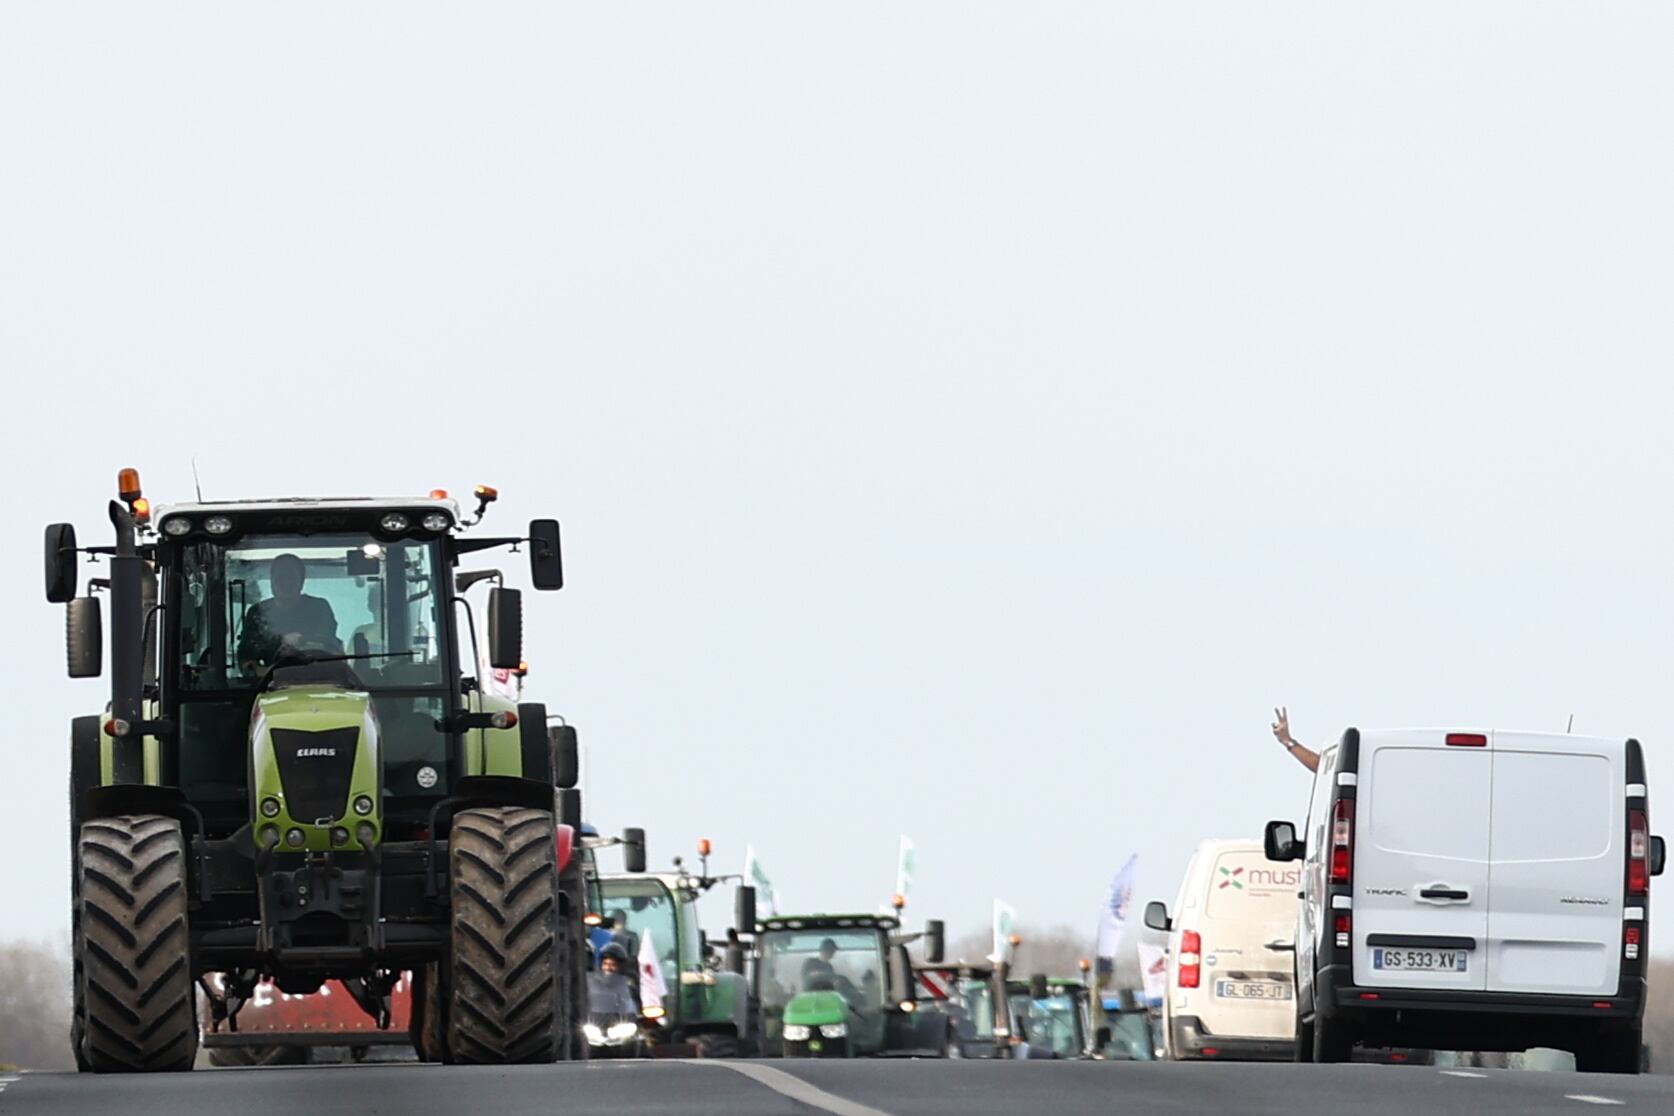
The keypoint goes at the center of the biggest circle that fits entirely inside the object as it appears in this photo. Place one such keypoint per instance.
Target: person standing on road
(1281, 731)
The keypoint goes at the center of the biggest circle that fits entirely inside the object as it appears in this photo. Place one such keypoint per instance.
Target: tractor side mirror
(546, 555)
(744, 910)
(569, 808)
(1279, 842)
(505, 629)
(84, 637)
(566, 756)
(60, 563)
(633, 850)
(735, 957)
(935, 941)
(1659, 855)
(1156, 916)
(1037, 987)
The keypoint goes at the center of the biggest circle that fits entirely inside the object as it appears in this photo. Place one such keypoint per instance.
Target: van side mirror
(633, 850)
(546, 555)
(84, 637)
(1659, 855)
(935, 941)
(505, 629)
(566, 756)
(1280, 843)
(1156, 916)
(60, 563)
(744, 911)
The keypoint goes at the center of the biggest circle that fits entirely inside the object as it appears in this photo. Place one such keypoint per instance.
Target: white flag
(1153, 968)
(652, 986)
(904, 868)
(756, 878)
(1005, 917)
(1116, 904)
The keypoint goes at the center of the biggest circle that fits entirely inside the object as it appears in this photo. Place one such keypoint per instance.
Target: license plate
(1252, 990)
(1419, 960)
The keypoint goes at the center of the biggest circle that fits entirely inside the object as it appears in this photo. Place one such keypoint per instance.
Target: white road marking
(1588, 1098)
(1461, 1073)
(787, 1085)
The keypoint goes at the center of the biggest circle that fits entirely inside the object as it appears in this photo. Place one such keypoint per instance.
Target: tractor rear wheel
(504, 981)
(137, 995)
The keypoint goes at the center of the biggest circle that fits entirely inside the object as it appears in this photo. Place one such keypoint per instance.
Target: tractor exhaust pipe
(127, 648)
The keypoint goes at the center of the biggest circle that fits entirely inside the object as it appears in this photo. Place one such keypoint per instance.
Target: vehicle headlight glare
(591, 1030)
(395, 523)
(835, 1030)
(621, 1032)
(176, 525)
(796, 1033)
(217, 525)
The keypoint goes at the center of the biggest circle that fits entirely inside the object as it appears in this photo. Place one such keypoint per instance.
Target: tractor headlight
(176, 525)
(621, 1032)
(591, 1030)
(339, 835)
(835, 1030)
(395, 523)
(270, 807)
(797, 1033)
(217, 525)
(366, 833)
(363, 804)
(437, 521)
(294, 837)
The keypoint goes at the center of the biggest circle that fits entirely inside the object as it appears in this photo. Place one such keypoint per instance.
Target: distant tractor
(1055, 1018)
(972, 995)
(299, 779)
(837, 986)
(707, 1012)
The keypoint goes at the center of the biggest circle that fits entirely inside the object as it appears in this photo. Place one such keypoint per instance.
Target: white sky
(966, 419)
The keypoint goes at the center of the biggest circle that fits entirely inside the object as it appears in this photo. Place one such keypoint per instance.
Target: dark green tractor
(295, 781)
(838, 986)
(1055, 1018)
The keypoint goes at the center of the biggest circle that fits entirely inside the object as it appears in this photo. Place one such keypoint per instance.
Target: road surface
(858, 1088)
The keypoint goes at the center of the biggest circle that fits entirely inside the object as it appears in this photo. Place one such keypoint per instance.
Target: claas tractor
(706, 1011)
(298, 779)
(837, 986)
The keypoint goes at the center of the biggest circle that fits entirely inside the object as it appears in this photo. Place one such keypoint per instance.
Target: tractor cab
(979, 1020)
(1054, 1017)
(837, 986)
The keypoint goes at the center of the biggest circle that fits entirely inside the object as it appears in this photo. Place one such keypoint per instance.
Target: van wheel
(1333, 1041)
(1610, 1053)
(1304, 1041)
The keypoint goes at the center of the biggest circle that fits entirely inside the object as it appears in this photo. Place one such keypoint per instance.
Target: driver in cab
(290, 618)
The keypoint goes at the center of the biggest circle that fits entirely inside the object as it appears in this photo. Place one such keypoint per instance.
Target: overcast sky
(966, 419)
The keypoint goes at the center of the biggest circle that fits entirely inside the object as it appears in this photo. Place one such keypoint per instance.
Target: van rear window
(1552, 806)
(1247, 886)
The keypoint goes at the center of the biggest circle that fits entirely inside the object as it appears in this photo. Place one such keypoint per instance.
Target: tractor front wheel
(504, 983)
(136, 993)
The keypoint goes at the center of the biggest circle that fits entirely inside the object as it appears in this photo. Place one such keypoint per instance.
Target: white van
(1471, 890)
(1231, 993)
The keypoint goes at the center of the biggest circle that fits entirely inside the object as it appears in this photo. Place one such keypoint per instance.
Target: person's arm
(1307, 757)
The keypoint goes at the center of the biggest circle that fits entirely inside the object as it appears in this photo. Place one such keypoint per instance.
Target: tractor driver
(289, 618)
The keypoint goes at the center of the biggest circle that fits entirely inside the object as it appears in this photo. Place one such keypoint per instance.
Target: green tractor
(296, 782)
(838, 986)
(707, 1012)
(1055, 1018)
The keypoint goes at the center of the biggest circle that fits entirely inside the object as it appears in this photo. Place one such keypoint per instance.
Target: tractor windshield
(851, 962)
(976, 998)
(637, 910)
(1053, 1023)
(242, 604)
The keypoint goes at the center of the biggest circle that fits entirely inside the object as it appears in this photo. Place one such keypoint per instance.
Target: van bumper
(1439, 1018)
(1191, 1043)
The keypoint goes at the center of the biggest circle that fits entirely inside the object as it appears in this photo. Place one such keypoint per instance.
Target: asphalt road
(861, 1088)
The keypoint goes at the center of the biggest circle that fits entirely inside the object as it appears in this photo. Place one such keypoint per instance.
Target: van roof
(1515, 734)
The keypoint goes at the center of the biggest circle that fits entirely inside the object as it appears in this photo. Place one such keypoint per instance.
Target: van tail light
(1191, 959)
(1632, 936)
(1342, 841)
(1467, 740)
(1344, 930)
(1639, 853)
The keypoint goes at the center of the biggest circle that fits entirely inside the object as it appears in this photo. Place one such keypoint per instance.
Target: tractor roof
(367, 504)
(831, 922)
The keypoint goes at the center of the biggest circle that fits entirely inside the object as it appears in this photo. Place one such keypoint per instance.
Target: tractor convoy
(316, 817)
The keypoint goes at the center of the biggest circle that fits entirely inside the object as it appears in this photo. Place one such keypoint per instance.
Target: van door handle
(1444, 893)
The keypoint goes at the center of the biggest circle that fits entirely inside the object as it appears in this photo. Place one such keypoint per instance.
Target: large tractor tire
(136, 989)
(504, 980)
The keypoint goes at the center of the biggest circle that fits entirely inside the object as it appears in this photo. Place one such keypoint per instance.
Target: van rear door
(1421, 860)
(1559, 860)
(1248, 927)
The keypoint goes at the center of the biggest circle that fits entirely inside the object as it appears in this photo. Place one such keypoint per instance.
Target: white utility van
(1230, 993)
(1471, 890)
